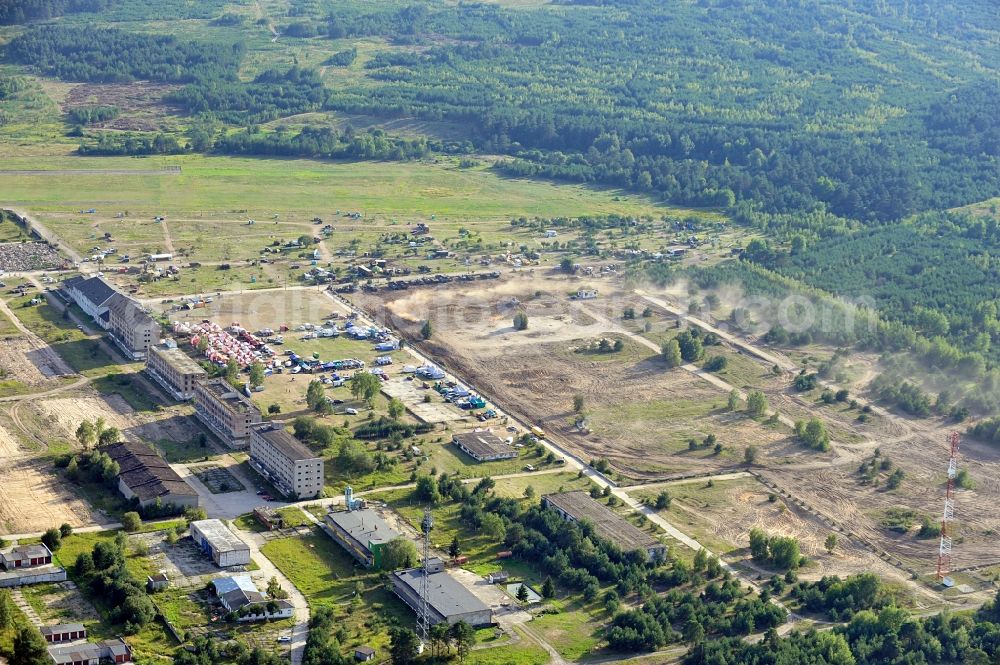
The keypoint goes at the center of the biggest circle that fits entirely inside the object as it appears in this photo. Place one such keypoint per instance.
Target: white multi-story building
(174, 370)
(226, 411)
(291, 467)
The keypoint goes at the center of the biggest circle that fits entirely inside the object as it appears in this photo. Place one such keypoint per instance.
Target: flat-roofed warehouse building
(291, 467)
(226, 411)
(447, 600)
(174, 370)
(223, 546)
(146, 477)
(361, 532)
(578, 505)
(484, 446)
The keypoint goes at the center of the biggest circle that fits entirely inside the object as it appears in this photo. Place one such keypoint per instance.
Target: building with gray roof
(361, 532)
(288, 464)
(223, 546)
(579, 506)
(447, 599)
(92, 653)
(146, 477)
(484, 446)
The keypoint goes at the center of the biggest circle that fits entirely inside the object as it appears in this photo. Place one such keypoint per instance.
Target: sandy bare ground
(28, 358)
(66, 413)
(23, 363)
(32, 497)
(534, 375)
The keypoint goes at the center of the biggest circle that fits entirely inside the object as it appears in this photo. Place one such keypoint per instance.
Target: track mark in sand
(167, 240)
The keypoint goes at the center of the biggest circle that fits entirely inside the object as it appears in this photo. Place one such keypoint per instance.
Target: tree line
(13, 12)
(885, 636)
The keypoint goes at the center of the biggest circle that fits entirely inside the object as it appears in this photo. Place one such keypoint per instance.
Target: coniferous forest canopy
(828, 123)
(823, 121)
(845, 131)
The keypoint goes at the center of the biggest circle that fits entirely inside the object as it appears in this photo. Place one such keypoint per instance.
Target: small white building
(239, 595)
(586, 294)
(222, 545)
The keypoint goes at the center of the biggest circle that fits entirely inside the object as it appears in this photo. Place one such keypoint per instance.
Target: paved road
(300, 631)
(574, 463)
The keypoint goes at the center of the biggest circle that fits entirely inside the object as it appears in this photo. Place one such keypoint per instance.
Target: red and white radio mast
(944, 549)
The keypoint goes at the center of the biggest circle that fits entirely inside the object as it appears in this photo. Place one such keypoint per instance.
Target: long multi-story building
(91, 294)
(130, 327)
(127, 323)
(226, 411)
(291, 467)
(174, 370)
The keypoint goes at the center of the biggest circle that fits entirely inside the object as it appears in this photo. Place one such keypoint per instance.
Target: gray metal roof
(484, 444)
(445, 594)
(62, 628)
(95, 290)
(364, 526)
(284, 443)
(607, 524)
(219, 535)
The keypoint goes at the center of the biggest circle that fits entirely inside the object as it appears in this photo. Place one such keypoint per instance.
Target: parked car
(350, 411)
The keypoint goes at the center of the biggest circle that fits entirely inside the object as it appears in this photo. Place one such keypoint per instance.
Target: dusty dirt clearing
(256, 310)
(172, 424)
(639, 414)
(33, 498)
(69, 412)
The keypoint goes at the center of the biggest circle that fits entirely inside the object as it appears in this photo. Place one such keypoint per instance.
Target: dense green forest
(938, 273)
(81, 53)
(870, 112)
(19, 11)
(13, 12)
(885, 637)
(705, 103)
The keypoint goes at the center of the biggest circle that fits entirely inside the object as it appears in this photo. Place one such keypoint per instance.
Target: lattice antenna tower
(944, 548)
(423, 618)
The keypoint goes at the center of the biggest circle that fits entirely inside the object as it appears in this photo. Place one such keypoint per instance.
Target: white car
(284, 638)
(351, 411)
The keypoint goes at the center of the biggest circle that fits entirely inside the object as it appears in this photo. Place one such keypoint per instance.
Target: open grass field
(328, 577)
(80, 351)
(260, 188)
